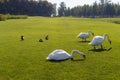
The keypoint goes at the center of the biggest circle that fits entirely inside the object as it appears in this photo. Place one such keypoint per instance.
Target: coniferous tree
(62, 9)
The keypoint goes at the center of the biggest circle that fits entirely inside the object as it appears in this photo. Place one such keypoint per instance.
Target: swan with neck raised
(60, 54)
(84, 35)
(98, 40)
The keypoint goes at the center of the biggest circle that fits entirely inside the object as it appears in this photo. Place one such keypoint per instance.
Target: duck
(46, 37)
(22, 37)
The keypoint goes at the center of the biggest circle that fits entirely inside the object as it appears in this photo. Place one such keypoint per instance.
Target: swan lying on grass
(60, 54)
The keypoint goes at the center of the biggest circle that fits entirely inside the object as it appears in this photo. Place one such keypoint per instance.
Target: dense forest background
(26, 7)
(105, 8)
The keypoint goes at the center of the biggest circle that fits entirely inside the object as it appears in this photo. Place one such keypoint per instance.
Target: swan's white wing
(83, 35)
(97, 40)
(58, 55)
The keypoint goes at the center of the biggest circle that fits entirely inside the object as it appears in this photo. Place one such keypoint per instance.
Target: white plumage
(98, 40)
(63, 55)
(84, 35)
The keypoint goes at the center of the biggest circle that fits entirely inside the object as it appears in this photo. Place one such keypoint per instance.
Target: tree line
(103, 9)
(26, 7)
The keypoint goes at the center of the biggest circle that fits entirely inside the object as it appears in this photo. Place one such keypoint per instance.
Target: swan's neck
(76, 51)
(90, 32)
(106, 36)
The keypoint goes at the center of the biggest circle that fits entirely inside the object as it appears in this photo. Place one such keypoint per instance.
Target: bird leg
(82, 39)
(94, 47)
(85, 39)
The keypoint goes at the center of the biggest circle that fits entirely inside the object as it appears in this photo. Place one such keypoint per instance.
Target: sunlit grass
(26, 60)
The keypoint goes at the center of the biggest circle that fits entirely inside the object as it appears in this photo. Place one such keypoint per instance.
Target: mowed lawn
(26, 60)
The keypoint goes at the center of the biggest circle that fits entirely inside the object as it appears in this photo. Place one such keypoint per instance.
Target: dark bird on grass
(46, 38)
(40, 40)
(22, 38)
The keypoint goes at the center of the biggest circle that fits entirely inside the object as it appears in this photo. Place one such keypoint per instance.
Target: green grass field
(26, 60)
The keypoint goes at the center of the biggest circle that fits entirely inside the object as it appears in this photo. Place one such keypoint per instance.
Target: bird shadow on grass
(78, 60)
(100, 50)
(83, 41)
(109, 49)
(56, 60)
(66, 60)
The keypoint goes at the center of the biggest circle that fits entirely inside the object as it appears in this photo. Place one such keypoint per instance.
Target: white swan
(98, 40)
(84, 35)
(60, 54)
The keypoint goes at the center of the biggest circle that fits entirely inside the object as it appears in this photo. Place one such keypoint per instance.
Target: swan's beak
(109, 41)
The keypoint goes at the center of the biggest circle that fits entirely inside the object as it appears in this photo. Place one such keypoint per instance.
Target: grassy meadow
(26, 60)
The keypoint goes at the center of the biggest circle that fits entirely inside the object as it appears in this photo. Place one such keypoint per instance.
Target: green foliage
(26, 60)
(62, 9)
(26, 7)
(17, 17)
(5, 17)
(117, 22)
(2, 17)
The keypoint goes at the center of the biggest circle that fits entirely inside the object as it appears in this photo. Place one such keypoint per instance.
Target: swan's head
(77, 51)
(91, 32)
(83, 55)
(110, 41)
(106, 35)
